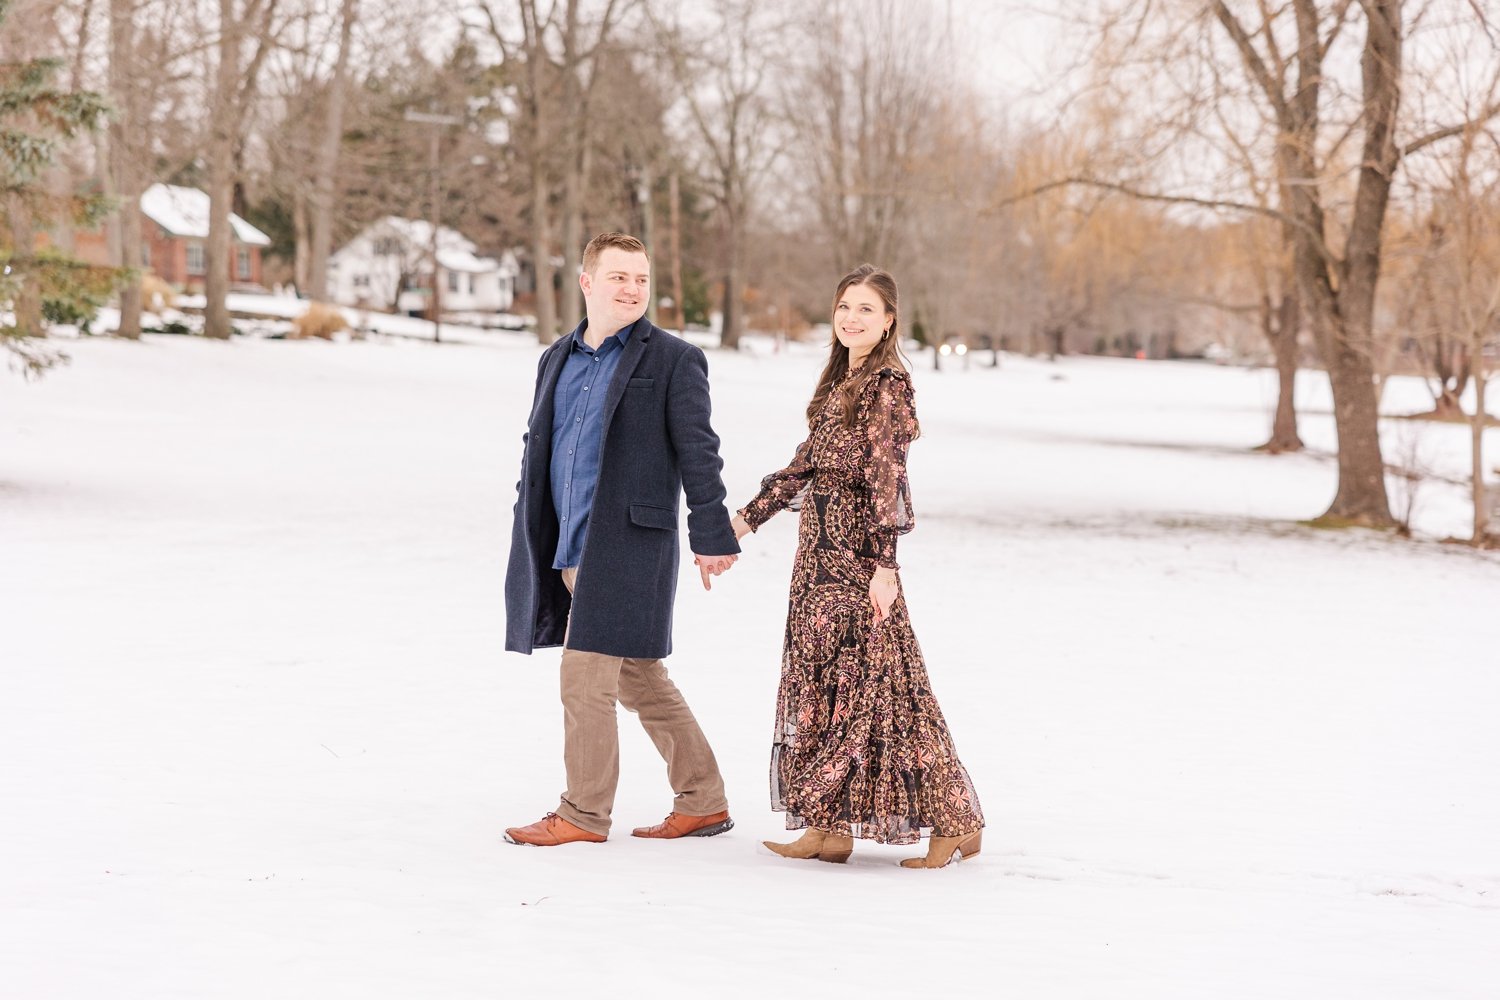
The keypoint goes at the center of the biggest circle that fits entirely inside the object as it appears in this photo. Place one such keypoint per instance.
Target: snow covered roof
(183, 211)
(463, 260)
(455, 251)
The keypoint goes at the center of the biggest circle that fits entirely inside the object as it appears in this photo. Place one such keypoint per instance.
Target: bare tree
(1338, 291)
(325, 169)
(863, 104)
(554, 61)
(246, 34)
(723, 72)
(1284, 53)
(1464, 271)
(582, 44)
(129, 138)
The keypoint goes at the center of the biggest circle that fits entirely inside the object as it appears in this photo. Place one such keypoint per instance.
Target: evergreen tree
(41, 286)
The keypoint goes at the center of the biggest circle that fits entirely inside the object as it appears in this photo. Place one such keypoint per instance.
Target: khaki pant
(592, 684)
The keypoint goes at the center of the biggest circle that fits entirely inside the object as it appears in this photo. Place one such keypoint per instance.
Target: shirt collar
(621, 336)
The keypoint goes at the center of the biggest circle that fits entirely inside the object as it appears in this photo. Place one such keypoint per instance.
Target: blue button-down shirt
(578, 437)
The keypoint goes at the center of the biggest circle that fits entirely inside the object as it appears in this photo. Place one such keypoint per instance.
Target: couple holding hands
(619, 428)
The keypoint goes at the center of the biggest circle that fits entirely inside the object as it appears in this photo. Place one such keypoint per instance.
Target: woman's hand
(884, 589)
(741, 526)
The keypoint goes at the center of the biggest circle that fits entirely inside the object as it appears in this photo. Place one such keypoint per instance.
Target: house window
(361, 281)
(242, 263)
(387, 246)
(453, 279)
(195, 263)
(145, 254)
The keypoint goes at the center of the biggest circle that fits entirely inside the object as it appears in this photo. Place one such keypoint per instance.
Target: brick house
(174, 233)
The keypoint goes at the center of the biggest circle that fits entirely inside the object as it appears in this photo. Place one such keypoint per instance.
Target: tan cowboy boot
(941, 850)
(815, 845)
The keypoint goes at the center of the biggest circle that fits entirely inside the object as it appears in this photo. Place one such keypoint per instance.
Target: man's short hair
(604, 241)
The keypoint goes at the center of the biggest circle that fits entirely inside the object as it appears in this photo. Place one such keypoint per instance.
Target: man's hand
(709, 566)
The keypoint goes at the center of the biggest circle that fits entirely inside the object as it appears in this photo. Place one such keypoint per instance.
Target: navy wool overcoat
(658, 445)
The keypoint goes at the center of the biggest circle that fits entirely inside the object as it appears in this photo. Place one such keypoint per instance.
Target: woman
(861, 748)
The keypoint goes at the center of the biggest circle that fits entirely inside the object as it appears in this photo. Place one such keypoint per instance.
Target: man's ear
(584, 281)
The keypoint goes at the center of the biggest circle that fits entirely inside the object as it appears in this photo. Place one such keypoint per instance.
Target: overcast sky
(1015, 51)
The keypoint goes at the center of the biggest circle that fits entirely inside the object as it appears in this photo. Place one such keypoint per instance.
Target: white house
(388, 266)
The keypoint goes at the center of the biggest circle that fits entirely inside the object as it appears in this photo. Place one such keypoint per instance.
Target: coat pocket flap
(640, 383)
(648, 516)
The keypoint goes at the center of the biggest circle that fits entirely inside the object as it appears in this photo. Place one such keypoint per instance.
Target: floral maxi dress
(860, 747)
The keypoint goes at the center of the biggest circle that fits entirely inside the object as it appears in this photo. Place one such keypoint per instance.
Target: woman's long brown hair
(886, 354)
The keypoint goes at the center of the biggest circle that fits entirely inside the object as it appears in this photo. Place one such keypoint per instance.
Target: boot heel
(836, 850)
(970, 847)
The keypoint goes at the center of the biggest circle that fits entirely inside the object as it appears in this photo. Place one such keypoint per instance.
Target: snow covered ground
(258, 737)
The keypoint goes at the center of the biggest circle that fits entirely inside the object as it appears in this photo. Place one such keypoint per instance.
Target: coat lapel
(635, 349)
(541, 415)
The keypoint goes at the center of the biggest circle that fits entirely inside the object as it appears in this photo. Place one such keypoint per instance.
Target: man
(619, 428)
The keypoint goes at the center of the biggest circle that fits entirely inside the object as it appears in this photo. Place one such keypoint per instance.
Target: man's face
(617, 291)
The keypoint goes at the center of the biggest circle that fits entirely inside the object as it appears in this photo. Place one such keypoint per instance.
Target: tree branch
(1340, 18)
(1174, 199)
(1449, 131)
(1253, 61)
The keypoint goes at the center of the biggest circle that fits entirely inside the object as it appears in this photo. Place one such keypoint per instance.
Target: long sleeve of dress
(780, 490)
(890, 425)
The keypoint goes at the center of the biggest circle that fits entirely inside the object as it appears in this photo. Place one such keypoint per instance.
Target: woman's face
(860, 320)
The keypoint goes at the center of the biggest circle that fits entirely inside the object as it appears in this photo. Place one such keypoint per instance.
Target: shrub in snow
(320, 320)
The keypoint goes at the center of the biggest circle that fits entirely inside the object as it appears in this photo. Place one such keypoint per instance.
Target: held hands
(709, 566)
(883, 593)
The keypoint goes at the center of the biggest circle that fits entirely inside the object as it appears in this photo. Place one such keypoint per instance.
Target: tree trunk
(1281, 329)
(648, 235)
(221, 178)
(125, 168)
(574, 140)
(571, 306)
(734, 288)
(1476, 438)
(326, 169)
(541, 255)
(129, 191)
(28, 301)
(674, 196)
(302, 249)
(1361, 495)
(1447, 406)
(217, 248)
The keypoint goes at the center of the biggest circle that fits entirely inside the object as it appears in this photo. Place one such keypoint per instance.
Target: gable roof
(183, 211)
(456, 252)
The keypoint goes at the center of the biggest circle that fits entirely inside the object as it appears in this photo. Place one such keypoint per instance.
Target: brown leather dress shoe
(677, 825)
(550, 831)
